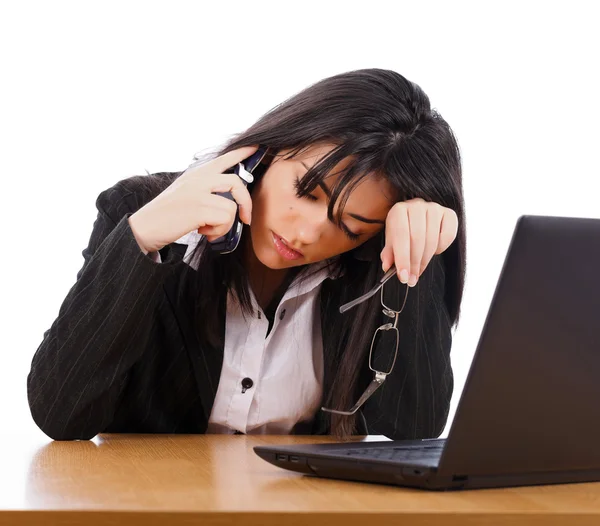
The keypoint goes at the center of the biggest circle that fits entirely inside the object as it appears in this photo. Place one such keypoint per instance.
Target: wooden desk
(218, 480)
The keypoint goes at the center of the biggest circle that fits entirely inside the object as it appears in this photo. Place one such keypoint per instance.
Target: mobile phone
(229, 242)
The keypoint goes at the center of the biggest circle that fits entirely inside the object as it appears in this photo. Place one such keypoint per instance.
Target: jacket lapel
(206, 362)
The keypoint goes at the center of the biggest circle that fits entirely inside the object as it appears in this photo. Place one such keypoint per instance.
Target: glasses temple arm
(371, 388)
(347, 306)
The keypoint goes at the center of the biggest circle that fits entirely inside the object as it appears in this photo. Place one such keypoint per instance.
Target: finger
(399, 238)
(216, 211)
(220, 228)
(417, 218)
(232, 183)
(448, 230)
(229, 159)
(211, 233)
(387, 255)
(434, 220)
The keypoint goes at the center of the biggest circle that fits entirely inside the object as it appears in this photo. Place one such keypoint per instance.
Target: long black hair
(386, 124)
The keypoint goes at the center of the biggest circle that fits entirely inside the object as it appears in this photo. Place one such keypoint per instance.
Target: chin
(275, 265)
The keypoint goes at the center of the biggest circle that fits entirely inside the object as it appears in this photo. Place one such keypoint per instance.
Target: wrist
(135, 226)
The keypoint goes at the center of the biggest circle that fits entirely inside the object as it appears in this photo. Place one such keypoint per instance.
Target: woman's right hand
(189, 204)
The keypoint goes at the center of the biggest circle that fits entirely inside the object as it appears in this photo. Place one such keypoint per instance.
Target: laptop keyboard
(422, 454)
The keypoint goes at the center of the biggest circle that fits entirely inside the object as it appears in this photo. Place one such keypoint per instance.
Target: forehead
(372, 193)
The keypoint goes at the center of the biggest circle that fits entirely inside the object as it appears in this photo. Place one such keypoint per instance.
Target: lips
(284, 249)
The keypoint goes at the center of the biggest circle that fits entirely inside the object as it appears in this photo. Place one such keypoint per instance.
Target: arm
(414, 400)
(82, 364)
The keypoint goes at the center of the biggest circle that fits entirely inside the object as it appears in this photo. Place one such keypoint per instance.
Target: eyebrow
(325, 189)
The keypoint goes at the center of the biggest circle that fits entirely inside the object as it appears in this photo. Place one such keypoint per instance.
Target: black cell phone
(229, 242)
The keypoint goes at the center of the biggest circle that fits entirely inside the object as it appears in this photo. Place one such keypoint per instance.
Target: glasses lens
(385, 346)
(393, 296)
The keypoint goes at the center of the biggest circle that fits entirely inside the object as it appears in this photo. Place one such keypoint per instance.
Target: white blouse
(271, 382)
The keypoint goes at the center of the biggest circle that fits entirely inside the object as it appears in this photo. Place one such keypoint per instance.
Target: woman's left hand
(415, 231)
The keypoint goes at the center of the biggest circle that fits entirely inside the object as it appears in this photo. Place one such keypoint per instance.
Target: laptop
(529, 412)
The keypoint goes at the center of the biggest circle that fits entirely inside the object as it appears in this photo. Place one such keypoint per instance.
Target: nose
(310, 225)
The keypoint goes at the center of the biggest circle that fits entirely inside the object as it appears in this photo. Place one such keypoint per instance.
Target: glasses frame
(379, 376)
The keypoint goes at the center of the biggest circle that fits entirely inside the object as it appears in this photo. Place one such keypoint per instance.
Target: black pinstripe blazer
(123, 355)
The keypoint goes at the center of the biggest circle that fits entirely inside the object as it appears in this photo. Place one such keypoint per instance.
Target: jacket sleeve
(103, 324)
(414, 400)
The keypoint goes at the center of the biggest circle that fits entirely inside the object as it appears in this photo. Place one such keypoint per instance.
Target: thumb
(209, 232)
(387, 257)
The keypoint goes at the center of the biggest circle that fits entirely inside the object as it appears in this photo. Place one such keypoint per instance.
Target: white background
(93, 92)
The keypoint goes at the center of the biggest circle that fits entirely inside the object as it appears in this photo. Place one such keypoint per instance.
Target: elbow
(45, 416)
(65, 434)
(58, 430)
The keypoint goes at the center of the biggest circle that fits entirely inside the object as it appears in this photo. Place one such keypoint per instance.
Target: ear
(370, 250)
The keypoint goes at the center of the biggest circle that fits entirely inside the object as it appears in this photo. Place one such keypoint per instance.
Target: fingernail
(412, 281)
(404, 275)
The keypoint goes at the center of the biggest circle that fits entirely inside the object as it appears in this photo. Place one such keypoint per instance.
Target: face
(289, 231)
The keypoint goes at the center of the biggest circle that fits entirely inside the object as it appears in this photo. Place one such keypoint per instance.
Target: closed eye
(352, 236)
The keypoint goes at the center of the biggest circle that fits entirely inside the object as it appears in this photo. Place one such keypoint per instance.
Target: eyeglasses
(379, 376)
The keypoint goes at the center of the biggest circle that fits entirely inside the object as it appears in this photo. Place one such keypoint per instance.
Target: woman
(161, 334)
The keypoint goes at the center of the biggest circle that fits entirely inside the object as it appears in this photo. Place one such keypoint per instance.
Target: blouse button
(247, 383)
(282, 314)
